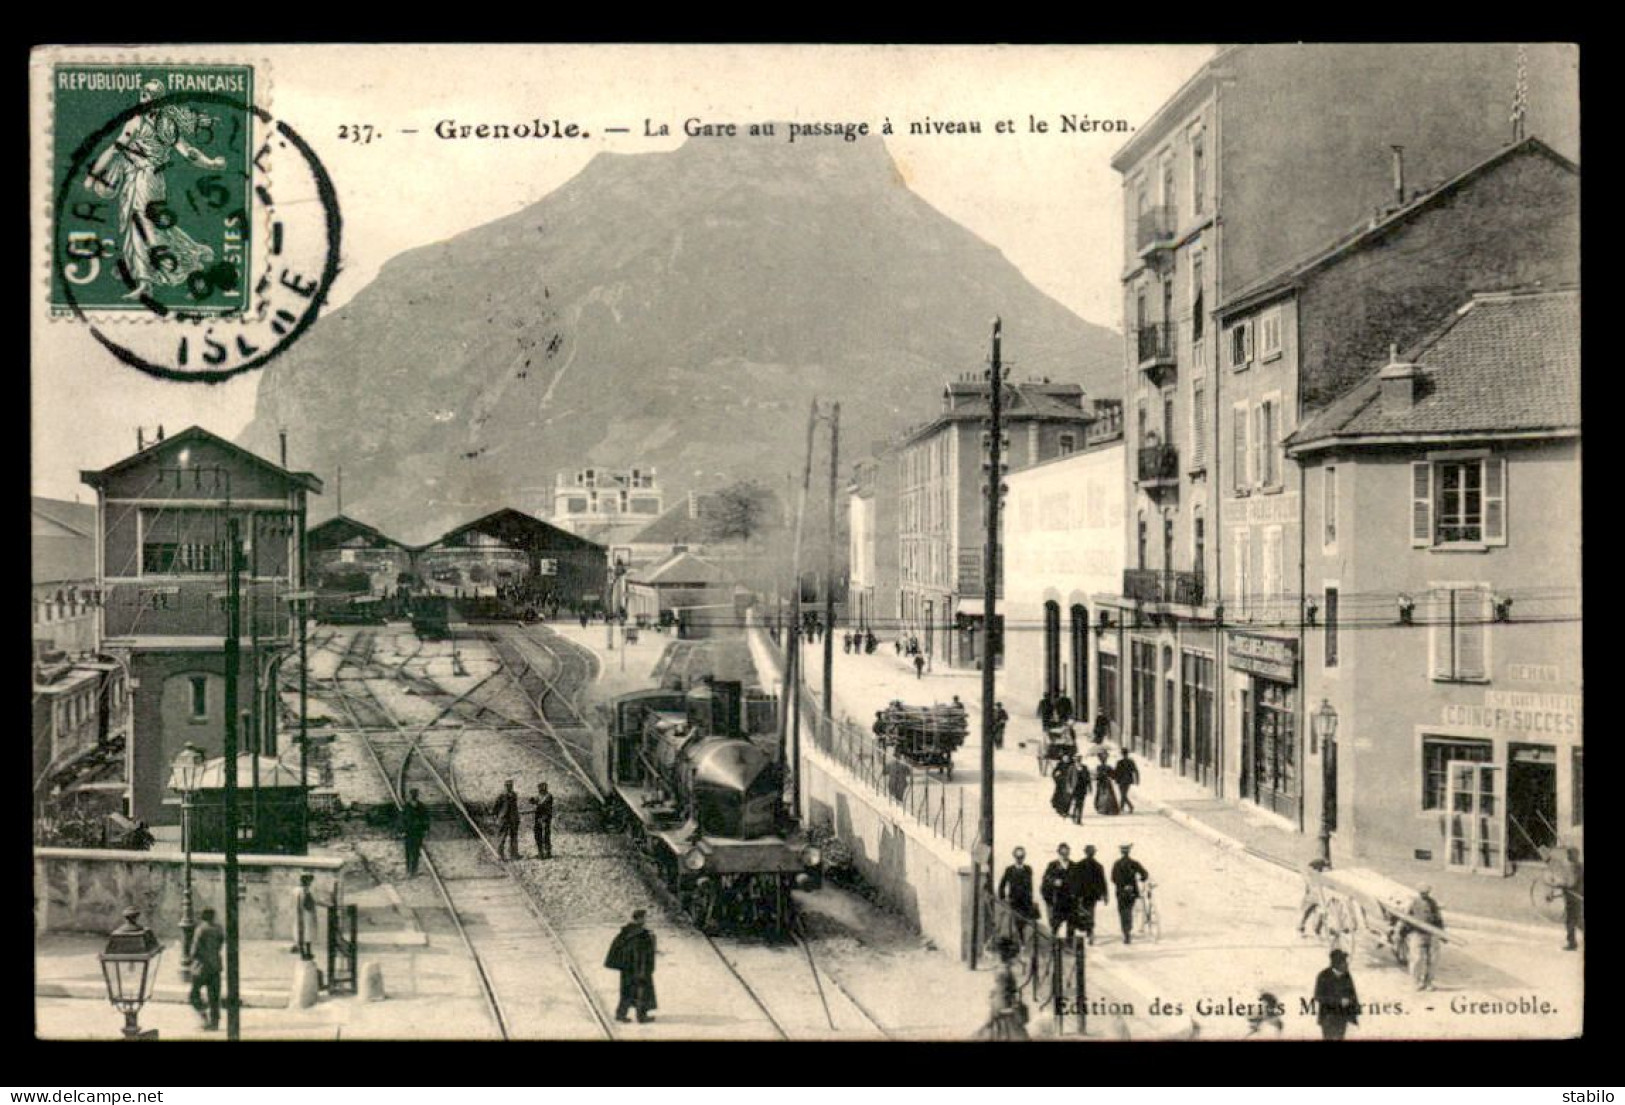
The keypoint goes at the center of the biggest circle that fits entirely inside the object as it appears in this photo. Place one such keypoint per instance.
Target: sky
(1050, 202)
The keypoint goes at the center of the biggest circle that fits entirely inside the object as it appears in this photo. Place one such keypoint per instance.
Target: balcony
(1154, 343)
(1159, 466)
(1154, 230)
(1162, 587)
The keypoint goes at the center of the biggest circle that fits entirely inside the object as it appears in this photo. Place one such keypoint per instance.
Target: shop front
(1266, 670)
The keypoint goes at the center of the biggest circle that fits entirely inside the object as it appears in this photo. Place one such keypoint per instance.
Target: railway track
(525, 960)
(753, 959)
(522, 963)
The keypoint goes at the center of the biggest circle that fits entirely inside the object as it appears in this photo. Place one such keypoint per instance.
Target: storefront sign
(1520, 712)
(970, 571)
(1271, 657)
(1534, 673)
(1259, 509)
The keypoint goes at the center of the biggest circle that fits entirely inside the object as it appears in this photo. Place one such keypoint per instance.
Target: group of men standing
(863, 642)
(1072, 890)
(415, 820)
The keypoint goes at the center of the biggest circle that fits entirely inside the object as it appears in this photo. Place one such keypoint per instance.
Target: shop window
(1437, 754)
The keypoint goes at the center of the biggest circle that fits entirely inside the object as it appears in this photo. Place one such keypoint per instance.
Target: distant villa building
(606, 504)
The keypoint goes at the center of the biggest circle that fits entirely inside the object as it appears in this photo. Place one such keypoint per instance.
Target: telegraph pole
(990, 575)
(229, 763)
(790, 737)
(829, 579)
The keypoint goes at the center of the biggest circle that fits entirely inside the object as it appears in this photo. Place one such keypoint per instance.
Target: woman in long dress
(1105, 787)
(154, 248)
(1061, 799)
(1009, 1012)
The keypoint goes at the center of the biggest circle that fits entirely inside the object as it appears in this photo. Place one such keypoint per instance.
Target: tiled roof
(1292, 275)
(1507, 362)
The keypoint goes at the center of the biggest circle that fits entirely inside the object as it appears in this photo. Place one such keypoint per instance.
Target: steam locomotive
(696, 777)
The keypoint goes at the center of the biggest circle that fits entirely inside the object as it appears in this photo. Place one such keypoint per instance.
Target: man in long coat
(1077, 781)
(414, 827)
(1057, 891)
(1016, 889)
(632, 953)
(1336, 1004)
(542, 821)
(1126, 774)
(1088, 889)
(507, 813)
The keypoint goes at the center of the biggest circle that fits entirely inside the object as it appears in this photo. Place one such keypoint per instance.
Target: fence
(1053, 971)
(930, 799)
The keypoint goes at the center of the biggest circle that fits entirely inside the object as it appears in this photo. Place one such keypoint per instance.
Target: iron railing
(1163, 586)
(1155, 342)
(1154, 226)
(1159, 462)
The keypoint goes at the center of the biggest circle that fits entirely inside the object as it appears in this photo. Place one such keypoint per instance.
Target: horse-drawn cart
(926, 736)
(1058, 742)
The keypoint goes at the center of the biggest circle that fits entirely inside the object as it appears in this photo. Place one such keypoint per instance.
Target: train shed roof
(341, 531)
(516, 530)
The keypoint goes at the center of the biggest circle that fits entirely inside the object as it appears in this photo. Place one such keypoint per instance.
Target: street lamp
(130, 966)
(1323, 725)
(184, 778)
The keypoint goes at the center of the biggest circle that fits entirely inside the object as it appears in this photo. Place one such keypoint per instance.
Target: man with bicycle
(1127, 874)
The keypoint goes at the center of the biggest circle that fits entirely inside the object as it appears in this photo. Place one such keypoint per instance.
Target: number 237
(362, 133)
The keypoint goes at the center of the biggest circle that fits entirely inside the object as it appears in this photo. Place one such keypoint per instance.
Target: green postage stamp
(153, 188)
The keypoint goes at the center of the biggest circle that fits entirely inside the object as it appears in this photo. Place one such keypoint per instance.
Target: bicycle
(1550, 885)
(1145, 910)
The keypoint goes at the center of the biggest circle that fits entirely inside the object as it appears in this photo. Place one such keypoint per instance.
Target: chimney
(282, 437)
(140, 439)
(693, 505)
(1399, 383)
(160, 431)
(1399, 173)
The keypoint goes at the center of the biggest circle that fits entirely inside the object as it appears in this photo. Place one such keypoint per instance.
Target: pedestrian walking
(1016, 891)
(1009, 1014)
(1420, 944)
(1046, 711)
(1105, 788)
(1314, 897)
(542, 821)
(1570, 874)
(919, 666)
(1089, 890)
(1077, 782)
(897, 645)
(632, 953)
(1103, 727)
(507, 815)
(1001, 718)
(1061, 800)
(1337, 1005)
(207, 942)
(1127, 874)
(1056, 889)
(870, 643)
(1126, 774)
(414, 827)
(1063, 709)
(846, 643)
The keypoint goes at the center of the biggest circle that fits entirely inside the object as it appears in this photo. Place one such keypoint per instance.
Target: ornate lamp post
(1323, 726)
(130, 966)
(184, 777)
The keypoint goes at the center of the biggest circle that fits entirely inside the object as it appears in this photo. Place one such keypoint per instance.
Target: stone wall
(88, 889)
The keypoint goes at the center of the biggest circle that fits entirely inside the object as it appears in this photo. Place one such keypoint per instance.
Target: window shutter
(1472, 624)
(1199, 425)
(1239, 445)
(1421, 504)
(1256, 474)
(1435, 610)
(1495, 501)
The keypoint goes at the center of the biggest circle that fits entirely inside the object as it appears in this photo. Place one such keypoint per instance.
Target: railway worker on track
(507, 815)
(632, 953)
(542, 821)
(414, 827)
